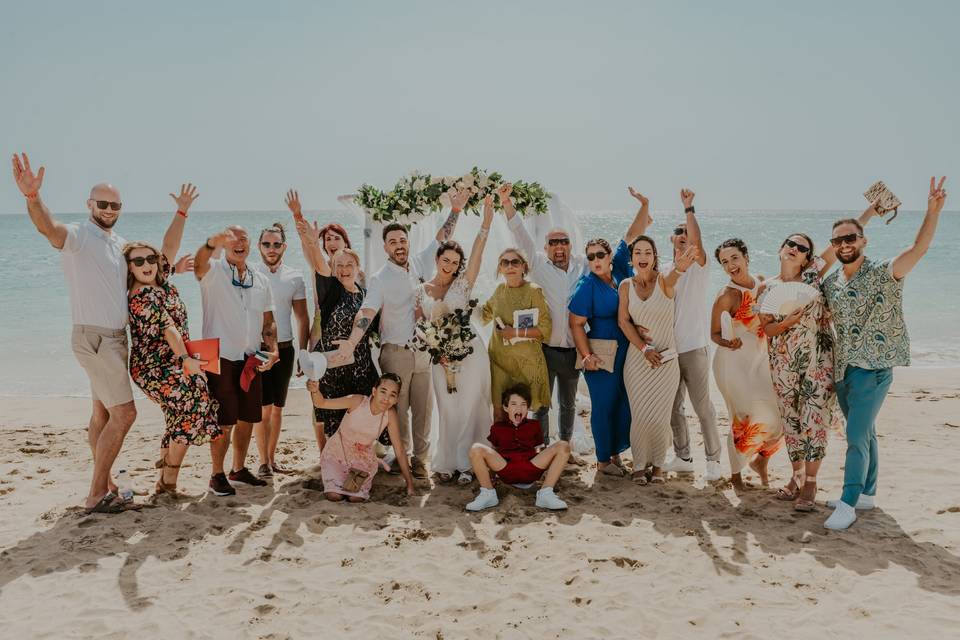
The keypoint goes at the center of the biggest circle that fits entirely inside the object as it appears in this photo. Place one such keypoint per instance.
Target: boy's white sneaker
(547, 499)
(485, 499)
(842, 517)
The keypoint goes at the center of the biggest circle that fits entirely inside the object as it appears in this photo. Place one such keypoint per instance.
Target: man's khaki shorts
(103, 355)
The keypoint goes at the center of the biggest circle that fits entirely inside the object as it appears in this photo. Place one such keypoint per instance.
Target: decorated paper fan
(787, 297)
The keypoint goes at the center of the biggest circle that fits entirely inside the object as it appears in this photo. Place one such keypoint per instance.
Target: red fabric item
(520, 471)
(249, 372)
(517, 444)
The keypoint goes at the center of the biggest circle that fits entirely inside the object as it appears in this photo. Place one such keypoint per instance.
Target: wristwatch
(690, 210)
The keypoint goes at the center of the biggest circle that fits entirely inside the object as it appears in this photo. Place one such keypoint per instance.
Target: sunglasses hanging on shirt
(242, 282)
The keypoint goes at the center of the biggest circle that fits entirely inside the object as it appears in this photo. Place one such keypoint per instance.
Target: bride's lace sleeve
(462, 286)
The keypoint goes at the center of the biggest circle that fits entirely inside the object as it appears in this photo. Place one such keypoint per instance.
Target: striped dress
(651, 391)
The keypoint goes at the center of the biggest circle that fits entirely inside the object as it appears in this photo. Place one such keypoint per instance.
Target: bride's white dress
(466, 415)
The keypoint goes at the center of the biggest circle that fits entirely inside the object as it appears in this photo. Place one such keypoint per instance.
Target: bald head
(236, 252)
(104, 205)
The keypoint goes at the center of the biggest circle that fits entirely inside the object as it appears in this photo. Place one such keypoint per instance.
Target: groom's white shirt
(392, 291)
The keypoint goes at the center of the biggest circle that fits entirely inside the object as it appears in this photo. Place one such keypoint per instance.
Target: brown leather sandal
(806, 505)
(162, 487)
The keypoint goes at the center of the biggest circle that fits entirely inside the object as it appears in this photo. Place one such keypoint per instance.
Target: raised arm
(29, 185)
(349, 402)
(683, 262)
(174, 234)
(642, 219)
(515, 223)
(480, 242)
(458, 199)
(309, 235)
(906, 261)
(201, 262)
(693, 227)
(829, 255)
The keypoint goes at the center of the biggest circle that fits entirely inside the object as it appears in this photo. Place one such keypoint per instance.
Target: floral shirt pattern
(868, 320)
(801, 364)
(190, 413)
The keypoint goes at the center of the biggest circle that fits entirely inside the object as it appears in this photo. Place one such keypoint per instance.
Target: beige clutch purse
(605, 350)
(886, 200)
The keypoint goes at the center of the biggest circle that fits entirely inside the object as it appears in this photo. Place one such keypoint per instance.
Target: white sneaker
(714, 473)
(864, 503)
(679, 465)
(485, 499)
(547, 499)
(842, 517)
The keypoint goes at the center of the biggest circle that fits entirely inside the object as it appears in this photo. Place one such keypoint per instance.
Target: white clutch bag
(787, 297)
(726, 325)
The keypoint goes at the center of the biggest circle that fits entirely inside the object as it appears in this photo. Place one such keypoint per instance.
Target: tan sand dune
(624, 561)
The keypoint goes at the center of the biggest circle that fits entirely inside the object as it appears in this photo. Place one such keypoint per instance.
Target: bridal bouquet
(418, 195)
(446, 337)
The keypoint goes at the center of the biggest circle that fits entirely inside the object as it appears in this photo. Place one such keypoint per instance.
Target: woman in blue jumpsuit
(593, 316)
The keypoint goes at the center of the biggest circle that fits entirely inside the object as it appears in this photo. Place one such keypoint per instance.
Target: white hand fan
(787, 297)
(313, 364)
(726, 325)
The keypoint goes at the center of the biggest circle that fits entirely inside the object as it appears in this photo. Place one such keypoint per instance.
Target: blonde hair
(346, 251)
(520, 254)
(162, 264)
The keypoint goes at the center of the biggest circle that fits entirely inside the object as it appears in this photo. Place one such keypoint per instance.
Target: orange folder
(208, 350)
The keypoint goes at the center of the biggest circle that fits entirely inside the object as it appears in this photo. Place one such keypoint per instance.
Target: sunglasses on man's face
(553, 242)
(510, 262)
(599, 255)
(849, 238)
(802, 248)
(103, 204)
(140, 260)
(271, 245)
(679, 231)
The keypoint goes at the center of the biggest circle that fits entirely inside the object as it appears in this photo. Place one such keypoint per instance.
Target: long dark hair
(656, 254)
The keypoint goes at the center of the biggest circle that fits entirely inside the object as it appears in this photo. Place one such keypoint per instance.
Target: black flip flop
(107, 504)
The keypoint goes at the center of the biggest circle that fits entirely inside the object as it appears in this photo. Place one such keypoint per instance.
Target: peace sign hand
(28, 183)
(188, 193)
(935, 201)
(644, 201)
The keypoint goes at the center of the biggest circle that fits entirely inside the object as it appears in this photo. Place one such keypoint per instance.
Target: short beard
(267, 261)
(851, 258)
(103, 224)
(394, 260)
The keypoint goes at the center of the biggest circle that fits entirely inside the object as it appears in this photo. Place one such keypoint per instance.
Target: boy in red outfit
(515, 457)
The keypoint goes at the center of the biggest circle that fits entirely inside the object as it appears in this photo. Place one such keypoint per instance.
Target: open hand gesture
(223, 239)
(28, 183)
(293, 203)
(310, 235)
(686, 197)
(188, 193)
(687, 258)
(644, 201)
(935, 201)
(184, 264)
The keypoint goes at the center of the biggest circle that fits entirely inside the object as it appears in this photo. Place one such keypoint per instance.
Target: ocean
(35, 326)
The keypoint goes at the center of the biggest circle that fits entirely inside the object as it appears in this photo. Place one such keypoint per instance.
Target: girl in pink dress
(348, 462)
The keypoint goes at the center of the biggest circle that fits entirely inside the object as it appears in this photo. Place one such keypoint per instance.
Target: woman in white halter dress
(465, 415)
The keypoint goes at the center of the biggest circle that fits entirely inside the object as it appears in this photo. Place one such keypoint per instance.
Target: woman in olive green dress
(521, 361)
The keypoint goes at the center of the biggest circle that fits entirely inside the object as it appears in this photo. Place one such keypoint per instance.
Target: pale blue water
(35, 324)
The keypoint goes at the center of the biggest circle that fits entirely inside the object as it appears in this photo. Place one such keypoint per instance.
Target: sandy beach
(624, 561)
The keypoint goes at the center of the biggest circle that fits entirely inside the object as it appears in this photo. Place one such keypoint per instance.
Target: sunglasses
(271, 245)
(242, 283)
(103, 204)
(510, 262)
(679, 231)
(599, 255)
(850, 238)
(140, 260)
(802, 248)
(558, 241)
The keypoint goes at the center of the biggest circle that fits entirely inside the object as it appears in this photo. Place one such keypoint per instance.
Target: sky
(756, 105)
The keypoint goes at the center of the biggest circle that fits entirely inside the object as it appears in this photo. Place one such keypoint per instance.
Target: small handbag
(606, 352)
(355, 477)
(886, 200)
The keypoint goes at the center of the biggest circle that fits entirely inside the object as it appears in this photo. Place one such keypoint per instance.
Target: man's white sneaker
(864, 503)
(842, 517)
(714, 473)
(547, 499)
(679, 465)
(485, 499)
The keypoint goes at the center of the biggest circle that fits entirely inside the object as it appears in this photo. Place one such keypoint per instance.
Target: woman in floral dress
(159, 363)
(339, 297)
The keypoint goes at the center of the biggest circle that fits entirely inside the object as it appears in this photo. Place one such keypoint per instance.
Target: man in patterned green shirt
(866, 301)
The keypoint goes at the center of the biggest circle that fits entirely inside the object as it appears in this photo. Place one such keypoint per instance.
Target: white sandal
(466, 478)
